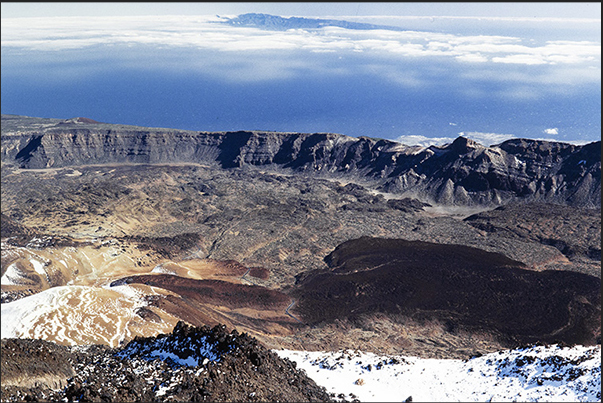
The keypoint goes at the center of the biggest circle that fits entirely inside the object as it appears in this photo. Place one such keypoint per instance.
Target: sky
(316, 9)
(488, 71)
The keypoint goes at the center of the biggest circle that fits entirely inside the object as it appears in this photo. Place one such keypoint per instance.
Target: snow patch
(185, 352)
(538, 373)
(166, 355)
(179, 349)
(11, 275)
(75, 315)
(128, 291)
(20, 316)
(160, 269)
(38, 266)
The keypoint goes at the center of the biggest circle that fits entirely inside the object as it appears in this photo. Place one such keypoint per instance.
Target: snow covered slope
(538, 373)
(75, 315)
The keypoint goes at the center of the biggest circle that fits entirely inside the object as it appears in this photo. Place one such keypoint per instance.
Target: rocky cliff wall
(461, 173)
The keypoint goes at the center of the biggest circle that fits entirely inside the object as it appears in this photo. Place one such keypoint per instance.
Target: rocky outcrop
(191, 364)
(574, 232)
(461, 173)
(31, 363)
(466, 172)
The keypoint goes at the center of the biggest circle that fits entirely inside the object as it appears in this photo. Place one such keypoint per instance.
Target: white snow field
(533, 374)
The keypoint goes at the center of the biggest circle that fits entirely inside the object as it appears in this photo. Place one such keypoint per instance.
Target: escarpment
(461, 173)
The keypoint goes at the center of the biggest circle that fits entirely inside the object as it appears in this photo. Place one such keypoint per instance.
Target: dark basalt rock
(35, 362)
(10, 228)
(465, 287)
(240, 369)
(574, 232)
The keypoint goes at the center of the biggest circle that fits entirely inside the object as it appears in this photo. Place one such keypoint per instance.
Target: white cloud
(58, 33)
(383, 19)
(472, 58)
(553, 131)
(251, 54)
(417, 140)
(520, 59)
(487, 139)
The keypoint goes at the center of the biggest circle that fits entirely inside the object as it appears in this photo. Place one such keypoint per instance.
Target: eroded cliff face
(461, 173)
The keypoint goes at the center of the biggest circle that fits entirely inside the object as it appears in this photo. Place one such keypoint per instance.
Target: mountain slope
(203, 364)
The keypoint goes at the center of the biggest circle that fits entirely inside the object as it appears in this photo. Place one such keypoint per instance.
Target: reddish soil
(230, 268)
(259, 272)
(215, 292)
(250, 308)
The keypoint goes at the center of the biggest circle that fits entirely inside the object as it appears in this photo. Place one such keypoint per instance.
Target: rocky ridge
(461, 173)
(157, 369)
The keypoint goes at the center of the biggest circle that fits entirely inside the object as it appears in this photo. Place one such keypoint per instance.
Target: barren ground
(225, 233)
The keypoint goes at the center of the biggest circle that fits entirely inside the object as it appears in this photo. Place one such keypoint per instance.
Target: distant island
(277, 23)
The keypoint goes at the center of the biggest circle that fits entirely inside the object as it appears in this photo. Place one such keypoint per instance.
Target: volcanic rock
(190, 364)
(463, 287)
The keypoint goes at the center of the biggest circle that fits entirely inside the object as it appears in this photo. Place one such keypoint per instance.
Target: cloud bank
(486, 139)
(514, 68)
(204, 32)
